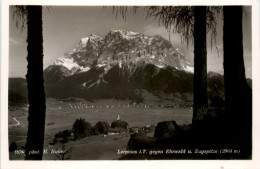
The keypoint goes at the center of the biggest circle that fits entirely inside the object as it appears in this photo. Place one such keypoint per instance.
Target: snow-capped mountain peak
(84, 40)
(69, 63)
(125, 34)
(121, 47)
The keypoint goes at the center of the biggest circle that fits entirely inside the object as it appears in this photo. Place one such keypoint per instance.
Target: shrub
(76, 136)
(12, 147)
(54, 141)
(66, 133)
(164, 129)
(59, 135)
(101, 127)
(81, 129)
(65, 139)
(94, 131)
(119, 124)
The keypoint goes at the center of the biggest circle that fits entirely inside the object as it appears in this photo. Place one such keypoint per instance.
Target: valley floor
(61, 114)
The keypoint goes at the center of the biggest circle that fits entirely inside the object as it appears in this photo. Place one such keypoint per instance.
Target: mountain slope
(147, 80)
(17, 92)
(123, 82)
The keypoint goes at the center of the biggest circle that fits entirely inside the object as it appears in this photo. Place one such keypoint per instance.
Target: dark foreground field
(61, 114)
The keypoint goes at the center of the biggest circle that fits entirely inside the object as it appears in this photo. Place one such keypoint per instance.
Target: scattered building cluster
(80, 106)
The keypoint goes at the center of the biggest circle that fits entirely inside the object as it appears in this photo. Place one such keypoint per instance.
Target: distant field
(60, 115)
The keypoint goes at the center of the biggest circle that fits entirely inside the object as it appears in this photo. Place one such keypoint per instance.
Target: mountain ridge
(118, 47)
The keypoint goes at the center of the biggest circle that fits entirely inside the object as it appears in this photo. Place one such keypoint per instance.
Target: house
(116, 131)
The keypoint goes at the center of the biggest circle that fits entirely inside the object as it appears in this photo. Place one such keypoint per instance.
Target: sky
(64, 26)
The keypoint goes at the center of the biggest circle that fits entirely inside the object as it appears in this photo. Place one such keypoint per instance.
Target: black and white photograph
(130, 83)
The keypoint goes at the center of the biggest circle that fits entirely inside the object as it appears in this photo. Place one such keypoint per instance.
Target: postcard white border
(195, 164)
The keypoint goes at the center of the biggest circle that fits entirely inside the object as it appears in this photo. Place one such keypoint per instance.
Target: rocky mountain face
(123, 64)
(118, 47)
